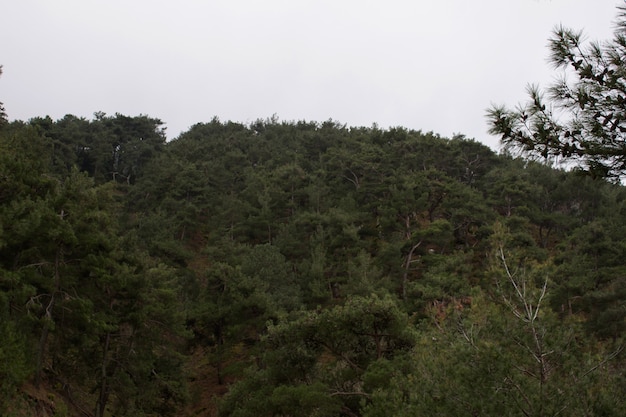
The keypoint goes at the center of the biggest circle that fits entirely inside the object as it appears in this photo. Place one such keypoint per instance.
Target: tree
(583, 120)
(590, 278)
(504, 353)
(243, 288)
(19, 185)
(315, 364)
(80, 305)
(3, 115)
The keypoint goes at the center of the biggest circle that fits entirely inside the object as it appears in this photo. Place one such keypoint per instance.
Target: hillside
(300, 268)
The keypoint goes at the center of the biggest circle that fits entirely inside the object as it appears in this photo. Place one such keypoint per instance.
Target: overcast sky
(433, 65)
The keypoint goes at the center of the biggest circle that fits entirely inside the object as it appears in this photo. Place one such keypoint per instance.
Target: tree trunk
(407, 265)
(48, 319)
(103, 394)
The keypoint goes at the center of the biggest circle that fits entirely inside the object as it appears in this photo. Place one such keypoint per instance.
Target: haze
(428, 65)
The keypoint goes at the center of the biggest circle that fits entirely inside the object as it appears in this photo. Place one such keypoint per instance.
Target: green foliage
(590, 278)
(107, 148)
(79, 292)
(508, 355)
(318, 361)
(15, 366)
(308, 269)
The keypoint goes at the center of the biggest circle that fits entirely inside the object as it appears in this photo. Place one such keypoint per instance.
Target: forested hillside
(301, 269)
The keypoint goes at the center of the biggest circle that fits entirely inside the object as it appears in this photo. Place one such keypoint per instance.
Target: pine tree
(583, 120)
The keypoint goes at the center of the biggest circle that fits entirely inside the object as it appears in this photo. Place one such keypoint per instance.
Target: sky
(429, 65)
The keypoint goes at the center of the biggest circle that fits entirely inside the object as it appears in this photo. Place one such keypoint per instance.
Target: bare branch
(341, 393)
(610, 357)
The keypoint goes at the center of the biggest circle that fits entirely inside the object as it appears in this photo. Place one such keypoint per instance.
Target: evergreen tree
(583, 121)
(3, 114)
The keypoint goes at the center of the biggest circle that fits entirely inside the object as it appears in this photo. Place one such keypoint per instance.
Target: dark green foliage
(306, 268)
(86, 302)
(506, 355)
(15, 355)
(591, 278)
(318, 361)
(108, 148)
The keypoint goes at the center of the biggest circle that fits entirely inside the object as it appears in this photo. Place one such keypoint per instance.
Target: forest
(302, 268)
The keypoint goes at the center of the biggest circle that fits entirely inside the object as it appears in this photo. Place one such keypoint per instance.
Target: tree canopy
(3, 114)
(301, 268)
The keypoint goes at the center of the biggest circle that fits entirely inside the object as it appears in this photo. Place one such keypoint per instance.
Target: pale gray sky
(433, 65)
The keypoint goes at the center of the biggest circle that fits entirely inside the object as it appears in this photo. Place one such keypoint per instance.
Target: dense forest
(299, 268)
